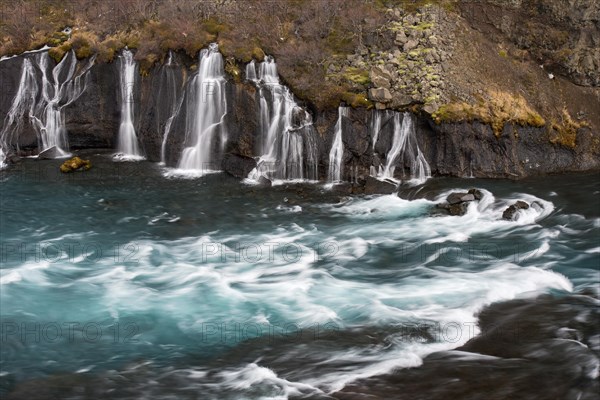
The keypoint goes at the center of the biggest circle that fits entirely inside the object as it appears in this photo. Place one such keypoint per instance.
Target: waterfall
(207, 106)
(174, 98)
(405, 151)
(251, 71)
(378, 120)
(287, 137)
(337, 148)
(128, 147)
(23, 106)
(43, 105)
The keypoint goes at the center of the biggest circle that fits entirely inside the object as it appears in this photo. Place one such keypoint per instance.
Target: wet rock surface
(376, 186)
(237, 165)
(75, 164)
(457, 203)
(521, 353)
(511, 211)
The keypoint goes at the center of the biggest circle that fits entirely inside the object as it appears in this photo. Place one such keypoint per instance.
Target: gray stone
(431, 108)
(411, 44)
(263, 181)
(510, 212)
(238, 165)
(381, 95)
(458, 197)
(380, 78)
(401, 38)
(476, 193)
(49, 154)
(458, 209)
(375, 186)
(401, 99)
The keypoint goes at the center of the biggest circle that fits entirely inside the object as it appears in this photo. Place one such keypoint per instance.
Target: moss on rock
(75, 164)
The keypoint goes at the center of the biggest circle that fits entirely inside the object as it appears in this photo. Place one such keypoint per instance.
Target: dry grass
(564, 132)
(497, 110)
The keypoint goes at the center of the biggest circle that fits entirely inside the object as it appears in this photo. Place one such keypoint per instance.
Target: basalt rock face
(472, 149)
(563, 35)
(451, 149)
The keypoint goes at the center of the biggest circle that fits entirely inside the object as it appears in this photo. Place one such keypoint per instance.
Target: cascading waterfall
(207, 107)
(287, 140)
(337, 148)
(251, 71)
(22, 106)
(174, 99)
(405, 151)
(44, 104)
(379, 119)
(128, 147)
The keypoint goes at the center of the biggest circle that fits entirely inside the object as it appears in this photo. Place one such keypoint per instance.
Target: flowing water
(42, 105)
(337, 148)
(171, 94)
(128, 147)
(206, 109)
(405, 151)
(288, 146)
(122, 283)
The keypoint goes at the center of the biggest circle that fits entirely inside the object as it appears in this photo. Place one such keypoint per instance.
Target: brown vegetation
(497, 110)
(302, 34)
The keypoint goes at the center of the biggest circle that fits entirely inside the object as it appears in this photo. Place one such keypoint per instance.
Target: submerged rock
(50, 153)
(375, 186)
(476, 193)
(75, 164)
(457, 197)
(12, 159)
(510, 212)
(237, 165)
(458, 209)
(457, 203)
(263, 181)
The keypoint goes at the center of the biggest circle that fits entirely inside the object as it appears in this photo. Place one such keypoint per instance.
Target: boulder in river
(476, 193)
(238, 165)
(457, 203)
(50, 153)
(75, 164)
(458, 197)
(510, 212)
(375, 186)
(263, 181)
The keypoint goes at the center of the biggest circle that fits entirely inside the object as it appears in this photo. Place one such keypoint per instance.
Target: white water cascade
(22, 106)
(251, 72)
(173, 97)
(206, 109)
(287, 139)
(379, 119)
(337, 149)
(405, 151)
(128, 147)
(43, 104)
